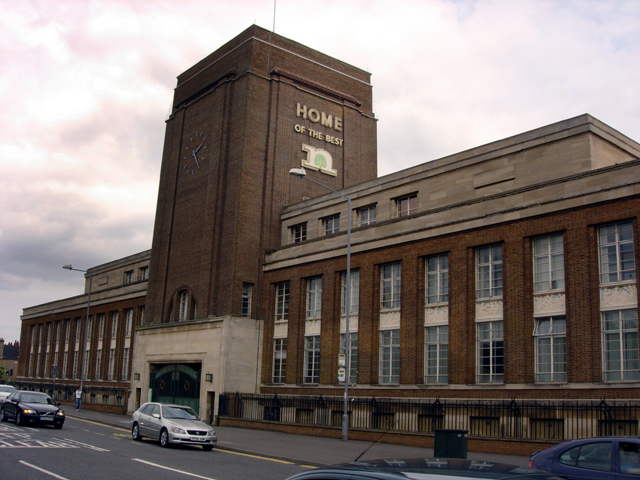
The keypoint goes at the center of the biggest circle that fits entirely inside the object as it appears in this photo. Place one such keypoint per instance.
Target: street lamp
(84, 343)
(301, 172)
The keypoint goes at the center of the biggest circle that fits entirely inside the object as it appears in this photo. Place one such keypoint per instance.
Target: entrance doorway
(176, 383)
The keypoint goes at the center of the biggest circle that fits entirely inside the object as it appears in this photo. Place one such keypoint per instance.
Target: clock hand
(193, 152)
(196, 150)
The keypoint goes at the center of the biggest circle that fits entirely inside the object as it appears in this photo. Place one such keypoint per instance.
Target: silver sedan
(172, 424)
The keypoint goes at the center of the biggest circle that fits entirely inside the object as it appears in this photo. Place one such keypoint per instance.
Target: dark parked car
(423, 469)
(601, 458)
(32, 408)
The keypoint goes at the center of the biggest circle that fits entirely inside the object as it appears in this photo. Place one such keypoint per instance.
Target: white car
(172, 424)
(5, 391)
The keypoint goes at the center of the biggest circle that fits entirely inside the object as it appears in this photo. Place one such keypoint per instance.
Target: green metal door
(178, 384)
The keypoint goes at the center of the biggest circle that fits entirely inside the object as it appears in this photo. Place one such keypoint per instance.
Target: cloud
(86, 87)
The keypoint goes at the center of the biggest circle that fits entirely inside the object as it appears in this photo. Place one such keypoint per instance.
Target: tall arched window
(184, 306)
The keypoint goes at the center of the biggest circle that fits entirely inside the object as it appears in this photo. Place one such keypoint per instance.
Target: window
(490, 350)
(74, 373)
(314, 297)
(128, 276)
(78, 329)
(548, 263)
(112, 359)
(353, 353)
(101, 327)
(279, 360)
(128, 322)
(125, 364)
(184, 305)
(551, 349)
(312, 359)
(617, 263)
(98, 359)
(332, 225)
(65, 360)
(246, 299)
(389, 356)
(299, 233)
(67, 329)
(355, 292)
(143, 273)
(282, 301)
(436, 354)
(114, 324)
(407, 205)
(592, 456)
(89, 321)
(437, 268)
(367, 215)
(489, 272)
(391, 286)
(620, 345)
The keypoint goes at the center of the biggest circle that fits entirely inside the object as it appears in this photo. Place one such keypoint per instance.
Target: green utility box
(450, 443)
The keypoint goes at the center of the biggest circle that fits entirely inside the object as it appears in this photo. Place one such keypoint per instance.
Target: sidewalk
(300, 449)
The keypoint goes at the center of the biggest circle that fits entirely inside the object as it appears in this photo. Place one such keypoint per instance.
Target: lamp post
(301, 172)
(84, 343)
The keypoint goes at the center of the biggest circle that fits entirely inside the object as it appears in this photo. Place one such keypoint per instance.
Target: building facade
(507, 271)
(241, 118)
(58, 338)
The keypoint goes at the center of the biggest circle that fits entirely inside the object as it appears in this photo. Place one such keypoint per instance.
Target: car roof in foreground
(429, 469)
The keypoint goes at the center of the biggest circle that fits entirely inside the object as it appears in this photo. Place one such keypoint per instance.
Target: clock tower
(241, 119)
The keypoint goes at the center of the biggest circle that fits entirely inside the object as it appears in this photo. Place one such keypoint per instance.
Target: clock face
(194, 152)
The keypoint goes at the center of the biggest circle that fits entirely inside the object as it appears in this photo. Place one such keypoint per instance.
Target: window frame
(390, 286)
(279, 364)
(438, 372)
(629, 361)
(548, 262)
(437, 279)
(495, 366)
(245, 307)
(331, 224)
(489, 272)
(314, 298)
(298, 232)
(311, 359)
(620, 248)
(282, 301)
(557, 332)
(389, 364)
(406, 205)
(367, 212)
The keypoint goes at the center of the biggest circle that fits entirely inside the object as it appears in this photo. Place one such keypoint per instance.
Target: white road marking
(172, 469)
(85, 445)
(43, 470)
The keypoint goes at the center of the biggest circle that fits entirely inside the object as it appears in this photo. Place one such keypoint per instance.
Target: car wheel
(18, 419)
(164, 438)
(207, 448)
(135, 432)
(4, 416)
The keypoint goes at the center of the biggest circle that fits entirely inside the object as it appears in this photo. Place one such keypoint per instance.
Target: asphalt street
(300, 449)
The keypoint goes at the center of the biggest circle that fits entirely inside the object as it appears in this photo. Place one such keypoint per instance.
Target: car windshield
(185, 413)
(36, 398)
(6, 388)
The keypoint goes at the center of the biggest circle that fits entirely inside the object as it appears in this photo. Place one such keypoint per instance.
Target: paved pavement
(300, 449)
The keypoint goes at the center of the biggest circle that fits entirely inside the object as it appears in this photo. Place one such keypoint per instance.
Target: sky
(86, 85)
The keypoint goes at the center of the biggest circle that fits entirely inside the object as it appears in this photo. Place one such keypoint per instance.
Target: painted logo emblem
(318, 159)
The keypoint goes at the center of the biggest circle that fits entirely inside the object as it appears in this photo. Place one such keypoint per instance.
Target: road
(85, 450)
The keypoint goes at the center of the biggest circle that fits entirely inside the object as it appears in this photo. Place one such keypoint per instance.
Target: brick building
(53, 333)
(505, 271)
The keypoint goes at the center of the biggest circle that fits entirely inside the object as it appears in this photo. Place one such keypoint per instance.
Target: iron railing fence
(64, 392)
(534, 420)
